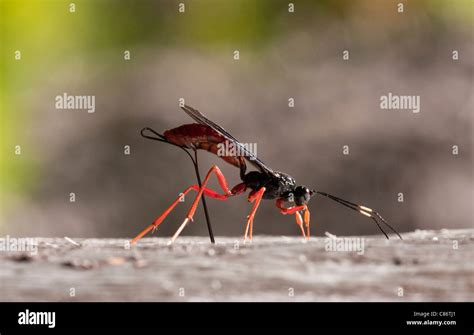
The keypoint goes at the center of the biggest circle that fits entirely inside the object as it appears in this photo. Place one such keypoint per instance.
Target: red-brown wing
(200, 118)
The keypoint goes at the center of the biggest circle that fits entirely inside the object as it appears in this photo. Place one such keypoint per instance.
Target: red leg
(295, 210)
(306, 222)
(288, 210)
(208, 192)
(299, 222)
(192, 210)
(239, 188)
(257, 197)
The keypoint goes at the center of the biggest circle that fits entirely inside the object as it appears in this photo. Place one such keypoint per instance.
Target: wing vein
(200, 118)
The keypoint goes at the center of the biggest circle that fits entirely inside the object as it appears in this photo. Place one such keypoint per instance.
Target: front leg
(295, 210)
(288, 210)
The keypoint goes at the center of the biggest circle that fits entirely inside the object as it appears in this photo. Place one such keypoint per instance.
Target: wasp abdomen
(198, 136)
(193, 136)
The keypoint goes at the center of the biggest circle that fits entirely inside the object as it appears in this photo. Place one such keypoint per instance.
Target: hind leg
(222, 182)
(156, 223)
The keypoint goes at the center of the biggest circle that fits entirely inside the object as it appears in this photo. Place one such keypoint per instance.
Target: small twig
(70, 240)
(330, 235)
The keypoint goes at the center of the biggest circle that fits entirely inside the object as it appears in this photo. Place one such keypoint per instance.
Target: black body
(277, 184)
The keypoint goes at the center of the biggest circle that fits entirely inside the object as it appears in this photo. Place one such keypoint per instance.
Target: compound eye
(302, 195)
(307, 195)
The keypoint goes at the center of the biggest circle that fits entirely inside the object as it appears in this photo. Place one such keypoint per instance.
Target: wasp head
(302, 194)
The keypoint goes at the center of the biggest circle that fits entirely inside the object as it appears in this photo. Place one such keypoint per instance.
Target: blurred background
(393, 154)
